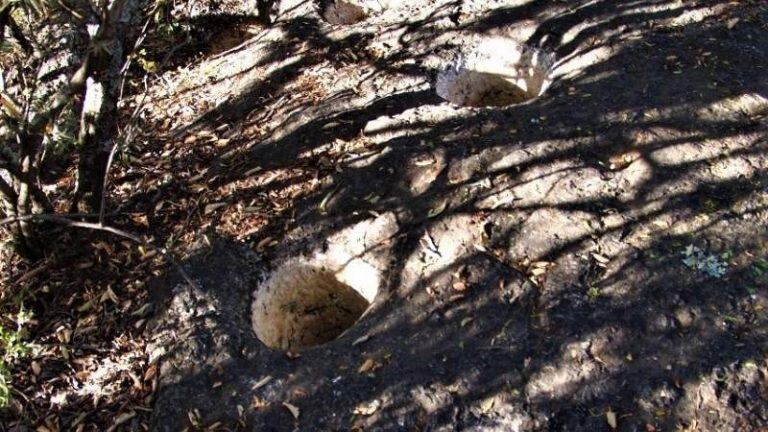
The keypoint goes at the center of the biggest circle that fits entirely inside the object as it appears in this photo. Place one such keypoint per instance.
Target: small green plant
(760, 267)
(12, 346)
(712, 265)
(5, 389)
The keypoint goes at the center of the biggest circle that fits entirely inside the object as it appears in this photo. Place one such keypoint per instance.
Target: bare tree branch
(103, 201)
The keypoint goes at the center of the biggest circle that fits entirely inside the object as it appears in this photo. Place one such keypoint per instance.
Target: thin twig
(62, 220)
(32, 273)
(103, 203)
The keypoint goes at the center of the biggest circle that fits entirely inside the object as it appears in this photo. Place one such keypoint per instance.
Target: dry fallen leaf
(210, 208)
(258, 403)
(262, 382)
(293, 409)
(76, 423)
(85, 307)
(487, 404)
(140, 219)
(367, 409)
(367, 365)
(151, 372)
(263, 243)
(109, 295)
(323, 207)
(122, 418)
(12, 109)
(600, 258)
(63, 334)
(360, 340)
(623, 160)
(193, 418)
(610, 417)
(437, 210)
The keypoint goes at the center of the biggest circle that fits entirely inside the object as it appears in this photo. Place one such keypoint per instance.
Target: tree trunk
(21, 235)
(98, 126)
(97, 129)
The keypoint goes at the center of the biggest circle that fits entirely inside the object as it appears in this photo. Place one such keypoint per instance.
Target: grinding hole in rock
(496, 72)
(343, 12)
(302, 305)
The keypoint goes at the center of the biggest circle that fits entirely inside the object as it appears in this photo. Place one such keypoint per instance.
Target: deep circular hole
(496, 73)
(300, 306)
(342, 12)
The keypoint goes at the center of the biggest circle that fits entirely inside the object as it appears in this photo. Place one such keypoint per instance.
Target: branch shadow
(615, 321)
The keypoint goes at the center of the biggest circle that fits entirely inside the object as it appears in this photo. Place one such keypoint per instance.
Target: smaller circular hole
(342, 12)
(301, 306)
(496, 73)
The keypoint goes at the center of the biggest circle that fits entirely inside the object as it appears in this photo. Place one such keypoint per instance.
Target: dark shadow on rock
(202, 334)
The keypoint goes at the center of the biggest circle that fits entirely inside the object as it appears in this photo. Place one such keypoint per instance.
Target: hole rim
(295, 342)
(523, 74)
(358, 13)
